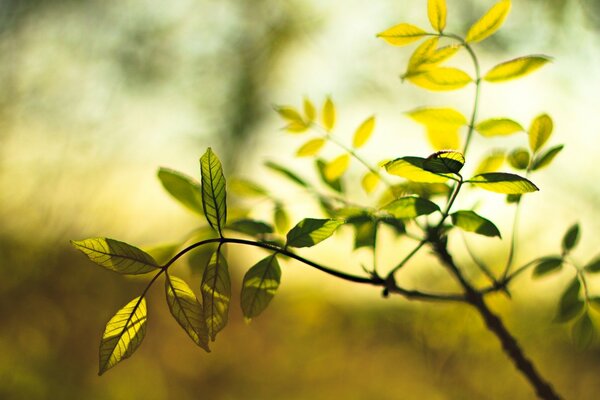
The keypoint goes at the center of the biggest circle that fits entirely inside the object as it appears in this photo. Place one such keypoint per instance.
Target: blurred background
(95, 95)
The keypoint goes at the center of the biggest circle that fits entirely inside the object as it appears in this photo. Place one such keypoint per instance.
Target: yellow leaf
(309, 110)
(328, 114)
(422, 53)
(296, 127)
(436, 11)
(290, 114)
(363, 133)
(337, 167)
(369, 182)
(437, 117)
(515, 68)
(498, 127)
(443, 139)
(489, 23)
(310, 148)
(411, 168)
(540, 131)
(442, 54)
(491, 163)
(402, 34)
(441, 79)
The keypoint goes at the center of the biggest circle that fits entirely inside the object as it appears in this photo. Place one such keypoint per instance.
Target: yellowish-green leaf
(501, 182)
(259, 286)
(470, 221)
(363, 132)
(310, 148)
(328, 114)
(498, 127)
(489, 23)
(336, 168)
(543, 160)
(214, 193)
(442, 54)
(309, 231)
(369, 182)
(116, 256)
(540, 131)
(412, 169)
(187, 310)
(281, 218)
(290, 114)
(216, 293)
(183, 188)
(402, 34)
(443, 138)
(583, 332)
(123, 334)
(516, 68)
(519, 158)
(410, 207)
(491, 163)
(309, 110)
(245, 188)
(441, 79)
(436, 11)
(438, 117)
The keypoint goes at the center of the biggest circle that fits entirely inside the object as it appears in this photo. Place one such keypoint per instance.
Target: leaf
(336, 168)
(116, 256)
(183, 188)
(246, 188)
(502, 182)
(216, 293)
(213, 190)
(444, 162)
(519, 158)
(441, 79)
(364, 231)
(328, 114)
(309, 231)
(421, 55)
(309, 110)
(123, 334)
(472, 222)
(570, 305)
(443, 138)
(187, 310)
(290, 114)
(259, 286)
(491, 163)
(310, 148)
(162, 253)
(369, 182)
(412, 169)
(395, 223)
(593, 266)
(540, 131)
(547, 265)
(281, 219)
(335, 184)
(515, 68)
(296, 127)
(250, 227)
(543, 160)
(489, 23)
(498, 127)
(363, 133)
(286, 172)
(436, 11)
(571, 238)
(583, 332)
(402, 34)
(438, 117)
(410, 207)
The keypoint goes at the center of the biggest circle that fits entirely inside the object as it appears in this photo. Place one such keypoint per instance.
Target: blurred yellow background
(96, 95)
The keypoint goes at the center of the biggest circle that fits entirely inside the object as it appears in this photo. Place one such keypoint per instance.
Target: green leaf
(436, 11)
(411, 207)
(515, 68)
(519, 158)
(259, 286)
(363, 132)
(123, 334)
(571, 238)
(328, 114)
(543, 160)
(547, 265)
(309, 231)
(570, 305)
(280, 169)
(395, 223)
(402, 34)
(444, 162)
(290, 114)
(595, 303)
(250, 227)
(187, 310)
(183, 188)
(412, 169)
(489, 23)
(441, 79)
(472, 222)
(583, 332)
(213, 190)
(246, 188)
(216, 293)
(364, 231)
(593, 266)
(498, 127)
(335, 184)
(501, 182)
(116, 256)
(540, 131)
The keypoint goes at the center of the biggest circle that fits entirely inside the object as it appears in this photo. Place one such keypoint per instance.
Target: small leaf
(183, 188)
(547, 265)
(491, 163)
(543, 160)
(571, 238)
(501, 182)
(216, 293)
(593, 266)
(436, 11)
(309, 110)
(489, 23)
(441, 79)
(519, 158)
(472, 222)
(335, 184)
(336, 168)
(290, 114)
(281, 219)
(309, 231)
(369, 182)
(438, 117)
(250, 227)
(540, 131)
(515, 68)
(583, 332)
(123, 334)
(412, 169)
(259, 286)
(498, 127)
(296, 127)
(411, 207)
(570, 305)
(116, 256)
(402, 34)
(513, 198)
(445, 161)
(213, 190)
(246, 188)
(421, 55)
(443, 138)
(287, 173)
(364, 231)
(328, 114)
(363, 133)
(187, 310)
(310, 148)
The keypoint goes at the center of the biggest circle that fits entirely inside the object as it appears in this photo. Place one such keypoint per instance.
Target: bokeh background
(96, 94)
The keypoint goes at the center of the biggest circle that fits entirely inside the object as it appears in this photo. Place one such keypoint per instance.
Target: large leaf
(259, 286)
(544, 159)
(410, 207)
(502, 182)
(310, 148)
(570, 305)
(402, 34)
(116, 256)
(183, 188)
(436, 11)
(309, 231)
(540, 131)
(213, 190)
(472, 222)
(363, 132)
(328, 114)
(216, 293)
(498, 127)
(123, 334)
(412, 169)
(489, 23)
(187, 310)
(280, 169)
(441, 79)
(515, 68)
(444, 162)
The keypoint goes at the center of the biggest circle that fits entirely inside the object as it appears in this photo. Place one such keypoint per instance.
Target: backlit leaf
(583, 332)
(491, 163)
(502, 182)
(436, 11)
(246, 188)
(296, 127)
(116, 256)
(183, 188)
(438, 117)
(547, 265)
(328, 114)
(519, 158)
(286, 172)
(402, 34)
(363, 132)
(472, 222)
(444, 162)
(593, 266)
(540, 131)
(515, 68)
(123, 334)
(498, 127)
(309, 110)
(412, 169)
(310, 148)
(443, 138)
(187, 310)
(441, 79)
(336, 168)
(335, 184)
(250, 227)
(544, 159)
(369, 182)
(309, 231)
(411, 207)
(489, 23)
(213, 190)
(421, 53)
(281, 218)
(216, 293)
(290, 114)
(571, 238)
(570, 305)
(259, 286)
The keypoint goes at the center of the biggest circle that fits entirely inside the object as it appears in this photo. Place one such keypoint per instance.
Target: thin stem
(480, 264)
(407, 258)
(513, 242)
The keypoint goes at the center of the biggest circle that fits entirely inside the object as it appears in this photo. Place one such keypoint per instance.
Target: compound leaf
(515, 68)
(502, 182)
(183, 188)
(540, 131)
(116, 256)
(259, 286)
(412, 169)
(498, 127)
(310, 231)
(411, 207)
(472, 222)
(216, 293)
(213, 190)
(363, 132)
(402, 34)
(441, 79)
(436, 11)
(489, 23)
